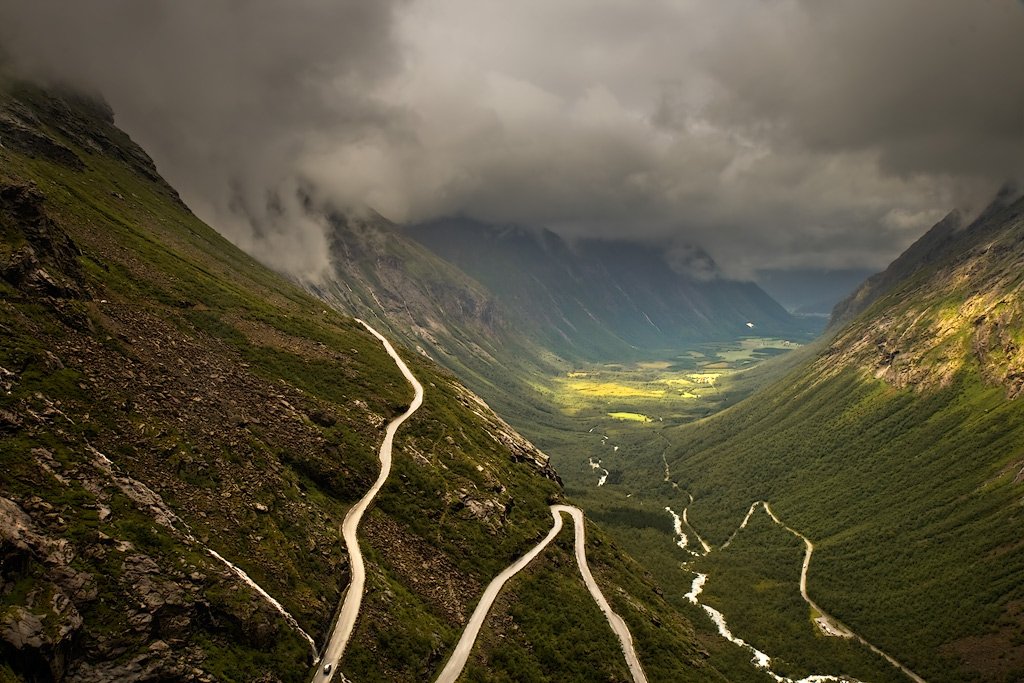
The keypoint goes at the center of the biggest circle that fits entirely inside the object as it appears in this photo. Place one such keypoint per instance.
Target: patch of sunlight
(614, 389)
(655, 365)
(631, 417)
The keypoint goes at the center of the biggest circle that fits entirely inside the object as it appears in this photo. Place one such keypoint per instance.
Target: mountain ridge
(952, 299)
(896, 449)
(595, 299)
(165, 395)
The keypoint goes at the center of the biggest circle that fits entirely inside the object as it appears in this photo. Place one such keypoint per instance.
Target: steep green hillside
(898, 451)
(596, 300)
(381, 275)
(164, 397)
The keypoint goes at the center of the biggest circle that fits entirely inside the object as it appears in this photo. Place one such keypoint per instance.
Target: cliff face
(952, 302)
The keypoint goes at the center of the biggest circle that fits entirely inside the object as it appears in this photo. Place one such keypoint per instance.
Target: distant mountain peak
(951, 303)
(601, 298)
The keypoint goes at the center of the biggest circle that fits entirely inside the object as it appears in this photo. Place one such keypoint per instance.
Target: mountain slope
(925, 250)
(166, 402)
(604, 300)
(897, 450)
(938, 245)
(957, 305)
(381, 275)
(811, 291)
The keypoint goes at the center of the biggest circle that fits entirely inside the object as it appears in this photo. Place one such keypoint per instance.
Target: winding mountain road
(827, 623)
(614, 620)
(457, 661)
(354, 594)
(345, 623)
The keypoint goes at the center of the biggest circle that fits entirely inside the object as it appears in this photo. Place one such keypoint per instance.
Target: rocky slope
(952, 302)
(381, 275)
(179, 425)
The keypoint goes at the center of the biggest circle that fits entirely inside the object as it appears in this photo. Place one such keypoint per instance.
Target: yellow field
(680, 388)
(745, 351)
(630, 417)
(614, 390)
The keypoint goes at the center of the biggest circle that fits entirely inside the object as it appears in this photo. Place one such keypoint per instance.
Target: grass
(145, 257)
(630, 417)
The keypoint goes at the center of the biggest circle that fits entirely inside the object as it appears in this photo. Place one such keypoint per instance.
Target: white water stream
(827, 624)
(677, 526)
(145, 497)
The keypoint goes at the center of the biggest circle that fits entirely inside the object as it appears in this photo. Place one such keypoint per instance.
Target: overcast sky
(774, 133)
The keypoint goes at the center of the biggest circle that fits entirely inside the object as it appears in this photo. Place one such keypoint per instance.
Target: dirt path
(828, 624)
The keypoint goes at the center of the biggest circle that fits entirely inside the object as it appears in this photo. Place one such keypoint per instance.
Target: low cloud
(773, 133)
(228, 96)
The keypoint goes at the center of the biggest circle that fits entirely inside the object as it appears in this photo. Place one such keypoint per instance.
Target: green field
(675, 390)
(740, 455)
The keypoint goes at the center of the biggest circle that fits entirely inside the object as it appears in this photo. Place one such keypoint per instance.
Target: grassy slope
(910, 493)
(910, 500)
(177, 360)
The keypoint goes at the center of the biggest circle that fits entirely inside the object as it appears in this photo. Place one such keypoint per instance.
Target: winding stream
(826, 623)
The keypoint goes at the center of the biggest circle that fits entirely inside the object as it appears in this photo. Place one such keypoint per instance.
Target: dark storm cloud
(775, 133)
(934, 86)
(228, 96)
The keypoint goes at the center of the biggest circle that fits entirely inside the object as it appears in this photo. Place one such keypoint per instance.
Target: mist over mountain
(594, 299)
(811, 291)
(933, 247)
(766, 133)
